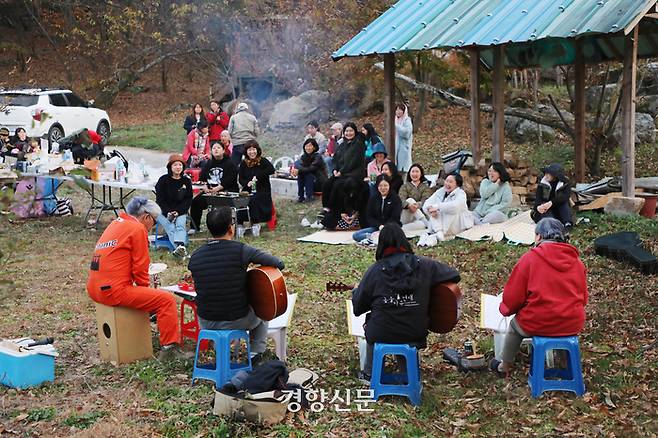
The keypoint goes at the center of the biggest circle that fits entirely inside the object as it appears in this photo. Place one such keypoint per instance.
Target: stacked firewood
(524, 178)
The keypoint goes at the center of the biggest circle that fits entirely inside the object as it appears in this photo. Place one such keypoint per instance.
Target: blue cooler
(22, 369)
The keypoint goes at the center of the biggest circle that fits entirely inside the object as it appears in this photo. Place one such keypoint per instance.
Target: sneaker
(192, 231)
(364, 377)
(300, 200)
(432, 240)
(317, 225)
(422, 241)
(305, 223)
(180, 251)
(366, 242)
(261, 358)
(172, 352)
(493, 366)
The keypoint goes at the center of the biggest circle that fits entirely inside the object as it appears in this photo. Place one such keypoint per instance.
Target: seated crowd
(366, 197)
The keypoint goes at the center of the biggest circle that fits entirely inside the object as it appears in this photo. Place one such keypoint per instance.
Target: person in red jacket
(547, 291)
(217, 121)
(118, 275)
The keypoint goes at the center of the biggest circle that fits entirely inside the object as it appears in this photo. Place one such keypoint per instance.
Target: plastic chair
(189, 329)
(541, 379)
(163, 240)
(224, 367)
(394, 384)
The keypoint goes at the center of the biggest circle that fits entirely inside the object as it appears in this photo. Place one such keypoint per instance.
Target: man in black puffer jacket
(219, 270)
(396, 291)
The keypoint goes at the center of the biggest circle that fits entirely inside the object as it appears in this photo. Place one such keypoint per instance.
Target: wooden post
(498, 151)
(580, 131)
(389, 104)
(628, 114)
(475, 105)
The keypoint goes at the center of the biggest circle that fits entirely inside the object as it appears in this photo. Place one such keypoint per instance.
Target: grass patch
(169, 137)
(85, 420)
(41, 414)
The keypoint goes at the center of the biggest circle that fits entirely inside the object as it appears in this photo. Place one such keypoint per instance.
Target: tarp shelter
(519, 34)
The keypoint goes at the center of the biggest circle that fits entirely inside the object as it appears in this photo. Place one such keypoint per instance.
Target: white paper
(490, 316)
(355, 323)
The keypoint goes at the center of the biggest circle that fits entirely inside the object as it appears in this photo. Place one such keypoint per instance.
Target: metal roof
(545, 25)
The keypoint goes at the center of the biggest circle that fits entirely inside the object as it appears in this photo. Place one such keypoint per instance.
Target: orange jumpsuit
(118, 275)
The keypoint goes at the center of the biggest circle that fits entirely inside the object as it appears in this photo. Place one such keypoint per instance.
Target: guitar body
(266, 289)
(445, 307)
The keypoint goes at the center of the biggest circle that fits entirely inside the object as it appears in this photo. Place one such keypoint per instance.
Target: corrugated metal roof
(431, 24)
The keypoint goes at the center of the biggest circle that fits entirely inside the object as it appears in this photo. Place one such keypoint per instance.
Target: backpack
(25, 204)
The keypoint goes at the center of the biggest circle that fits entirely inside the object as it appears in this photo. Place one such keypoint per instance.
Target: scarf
(252, 162)
(393, 250)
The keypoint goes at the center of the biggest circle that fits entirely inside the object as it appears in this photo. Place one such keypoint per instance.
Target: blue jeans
(305, 186)
(257, 329)
(363, 233)
(176, 230)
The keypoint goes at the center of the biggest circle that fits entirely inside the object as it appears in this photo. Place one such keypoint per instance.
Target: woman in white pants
(448, 212)
(413, 194)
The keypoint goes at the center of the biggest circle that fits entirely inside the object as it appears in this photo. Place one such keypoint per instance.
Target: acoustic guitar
(444, 309)
(266, 289)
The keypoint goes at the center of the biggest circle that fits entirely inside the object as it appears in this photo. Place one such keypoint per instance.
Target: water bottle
(253, 184)
(68, 155)
(142, 168)
(120, 171)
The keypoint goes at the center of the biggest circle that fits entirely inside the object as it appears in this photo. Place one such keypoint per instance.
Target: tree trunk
(163, 76)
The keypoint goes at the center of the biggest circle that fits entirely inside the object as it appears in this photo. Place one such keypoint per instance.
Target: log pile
(524, 178)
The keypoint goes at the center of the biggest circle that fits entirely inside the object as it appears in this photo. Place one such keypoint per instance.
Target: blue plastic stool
(394, 384)
(224, 368)
(162, 241)
(569, 379)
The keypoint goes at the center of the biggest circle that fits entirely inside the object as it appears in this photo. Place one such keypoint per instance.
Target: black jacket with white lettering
(396, 290)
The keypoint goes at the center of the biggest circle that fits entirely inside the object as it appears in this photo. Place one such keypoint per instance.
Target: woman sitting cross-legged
(311, 173)
(413, 195)
(173, 193)
(254, 177)
(348, 204)
(396, 291)
(383, 207)
(448, 212)
(495, 196)
(547, 291)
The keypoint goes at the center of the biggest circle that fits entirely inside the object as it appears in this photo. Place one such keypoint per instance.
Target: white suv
(55, 112)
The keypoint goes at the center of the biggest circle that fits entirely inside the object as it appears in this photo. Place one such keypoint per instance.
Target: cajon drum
(124, 334)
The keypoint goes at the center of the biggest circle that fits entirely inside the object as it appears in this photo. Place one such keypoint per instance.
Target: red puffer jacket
(547, 291)
(216, 124)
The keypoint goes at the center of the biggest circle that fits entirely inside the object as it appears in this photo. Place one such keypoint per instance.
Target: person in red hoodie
(217, 121)
(547, 291)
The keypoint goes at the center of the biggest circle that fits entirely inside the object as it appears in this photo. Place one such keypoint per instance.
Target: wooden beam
(475, 104)
(649, 7)
(628, 114)
(389, 104)
(498, 151)
(579, 113)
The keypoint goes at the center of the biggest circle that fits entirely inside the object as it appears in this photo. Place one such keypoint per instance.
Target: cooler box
(23, 369)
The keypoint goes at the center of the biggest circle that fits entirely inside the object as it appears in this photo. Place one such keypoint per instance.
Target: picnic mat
(519, 229)
(345, 237)
(329, 237)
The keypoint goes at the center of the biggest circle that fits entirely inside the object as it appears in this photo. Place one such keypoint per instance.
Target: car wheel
(104, 131)
(55, 134)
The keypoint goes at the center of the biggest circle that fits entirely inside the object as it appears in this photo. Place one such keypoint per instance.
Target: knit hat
(242, 106)
(172, 159)
(378, 148)
(554, 169)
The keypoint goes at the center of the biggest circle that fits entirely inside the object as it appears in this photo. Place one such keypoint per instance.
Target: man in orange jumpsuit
(118, 275)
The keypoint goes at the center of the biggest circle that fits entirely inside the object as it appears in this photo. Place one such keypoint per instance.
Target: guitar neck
(338, 286)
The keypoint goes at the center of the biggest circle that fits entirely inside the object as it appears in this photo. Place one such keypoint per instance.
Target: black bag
(63, 208)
